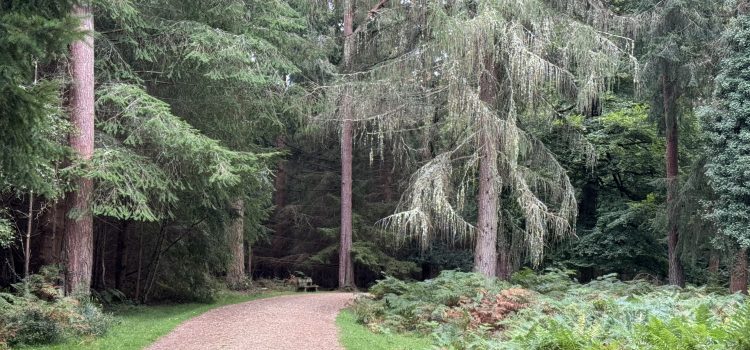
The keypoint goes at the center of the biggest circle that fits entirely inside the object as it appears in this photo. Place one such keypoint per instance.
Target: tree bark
(236, 239)
(27, 247)
(676, 273)
(279, 197)
(78, 240)
(714, 262)
(386, 176)
(485, 252)
(249, 260)
(346, 271)
(738, 282)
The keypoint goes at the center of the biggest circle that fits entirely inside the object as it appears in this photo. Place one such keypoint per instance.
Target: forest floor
(138, 326)
(300, 321)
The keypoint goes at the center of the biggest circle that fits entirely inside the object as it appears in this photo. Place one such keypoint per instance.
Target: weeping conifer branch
(441, 52)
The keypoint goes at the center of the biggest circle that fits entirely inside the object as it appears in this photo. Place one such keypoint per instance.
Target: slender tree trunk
(714, 262)
(485, 252)
(236, 239)
(346, 270)
(386, 176)
(279, 197)
(249, 260)
(505, 266)
(676, 274)
(79, 224)
(738, 283)
(102, 248)
(27, 248)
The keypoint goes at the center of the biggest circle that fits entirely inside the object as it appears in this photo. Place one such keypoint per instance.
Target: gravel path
(300, 321)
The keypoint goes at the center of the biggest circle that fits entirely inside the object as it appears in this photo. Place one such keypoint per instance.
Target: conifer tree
(676, 37)
(494, 70)
(727, 124)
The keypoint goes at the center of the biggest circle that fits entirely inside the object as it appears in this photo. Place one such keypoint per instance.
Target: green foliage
(355, 336)
(32, 34)
(368, 254)
(621, 201)
(727, 125)
(419, 306)
(7, 232)
(606, 314)
(40, 314)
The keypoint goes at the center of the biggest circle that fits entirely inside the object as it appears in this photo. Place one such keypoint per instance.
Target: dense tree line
(156, 147)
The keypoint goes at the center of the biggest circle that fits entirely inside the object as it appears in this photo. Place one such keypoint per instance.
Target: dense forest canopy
(158, 149)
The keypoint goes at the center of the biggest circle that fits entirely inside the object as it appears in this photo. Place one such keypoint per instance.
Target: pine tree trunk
(249, 260)
(346, 271)
(236, 239)
(386, 176)
(78, 242)
(738, 283)
(279, 197)
(485, 252)
(504, 262)
(676, 274)
(714, 262)
(27, 245)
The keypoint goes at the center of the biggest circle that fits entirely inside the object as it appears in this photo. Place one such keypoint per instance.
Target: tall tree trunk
(504, 258)
(714, 262)
(738, 283)
(346, 271)
(236, 239)
(669, 95)
(249, 260)
(279, 197)
(485, 252)
(386, 176)
(27, 247)
(78, 241)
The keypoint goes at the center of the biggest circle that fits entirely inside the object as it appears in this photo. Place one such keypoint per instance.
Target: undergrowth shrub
(551, 311)
(38, 313)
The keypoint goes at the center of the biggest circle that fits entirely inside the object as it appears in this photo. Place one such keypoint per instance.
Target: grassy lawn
(355, 336)
(137, 327)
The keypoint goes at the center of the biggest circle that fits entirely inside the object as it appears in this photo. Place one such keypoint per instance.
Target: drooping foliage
(511, 133)
(530, 58)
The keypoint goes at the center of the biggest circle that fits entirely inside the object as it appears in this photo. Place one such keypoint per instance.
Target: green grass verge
(139, 326)
(355, 336)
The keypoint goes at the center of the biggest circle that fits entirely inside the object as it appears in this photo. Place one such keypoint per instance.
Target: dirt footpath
(300, 321)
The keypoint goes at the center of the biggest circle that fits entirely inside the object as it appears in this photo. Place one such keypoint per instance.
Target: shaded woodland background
(217, 150)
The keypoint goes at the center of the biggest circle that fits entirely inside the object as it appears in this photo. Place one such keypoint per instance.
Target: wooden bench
(306, 284)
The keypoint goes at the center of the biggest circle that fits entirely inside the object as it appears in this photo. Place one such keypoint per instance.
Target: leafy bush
(39, 314)
(553, 312)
